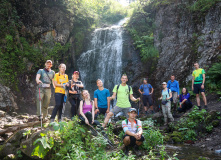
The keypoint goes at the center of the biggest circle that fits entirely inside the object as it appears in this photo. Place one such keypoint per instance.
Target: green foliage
(152, 136)
(213, 79)
(70, 140)
(202, 5)
(18, 154)
(196, 121)
(141, 28)
(43, 145)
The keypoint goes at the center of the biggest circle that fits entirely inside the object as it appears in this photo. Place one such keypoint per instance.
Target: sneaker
(199, 107)
(126, 152)
(137, 151)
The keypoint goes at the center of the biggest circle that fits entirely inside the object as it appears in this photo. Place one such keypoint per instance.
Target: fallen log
(19, 126)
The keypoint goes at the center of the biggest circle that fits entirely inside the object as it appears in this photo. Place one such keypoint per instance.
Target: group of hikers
(83, 106)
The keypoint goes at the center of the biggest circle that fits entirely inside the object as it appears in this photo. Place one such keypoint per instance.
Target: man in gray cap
(133, 132)
(44, 79)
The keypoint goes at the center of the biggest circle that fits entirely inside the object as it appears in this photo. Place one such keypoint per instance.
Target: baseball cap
(132, 109)
(49, 61)
(76, 72)
(164, 83)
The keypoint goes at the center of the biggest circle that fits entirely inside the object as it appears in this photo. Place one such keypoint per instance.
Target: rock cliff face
(183, 38)
(45, 20)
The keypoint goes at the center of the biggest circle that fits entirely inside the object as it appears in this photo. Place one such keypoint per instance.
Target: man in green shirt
(198, 82)
(123, 92)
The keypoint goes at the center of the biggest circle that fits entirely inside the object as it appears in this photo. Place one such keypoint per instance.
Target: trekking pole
(138, 109)
(39, 91)
(109, 142)
(112, 102)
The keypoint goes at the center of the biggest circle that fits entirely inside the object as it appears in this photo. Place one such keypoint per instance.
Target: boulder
(2, 113)
(27, 146)
(7, 101)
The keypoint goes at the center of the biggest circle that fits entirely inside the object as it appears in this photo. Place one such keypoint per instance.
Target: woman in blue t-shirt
(185, 102)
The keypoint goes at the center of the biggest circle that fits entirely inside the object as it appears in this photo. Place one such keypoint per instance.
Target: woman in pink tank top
(87, 110)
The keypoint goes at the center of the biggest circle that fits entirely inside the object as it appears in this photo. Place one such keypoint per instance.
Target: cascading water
(103, 59)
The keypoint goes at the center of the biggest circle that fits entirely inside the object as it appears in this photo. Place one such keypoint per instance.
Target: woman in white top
(166, 95)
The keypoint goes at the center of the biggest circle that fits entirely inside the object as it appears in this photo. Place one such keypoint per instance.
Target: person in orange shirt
(60, 82)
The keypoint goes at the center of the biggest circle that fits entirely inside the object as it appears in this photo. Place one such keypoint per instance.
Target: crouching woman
(133, 132)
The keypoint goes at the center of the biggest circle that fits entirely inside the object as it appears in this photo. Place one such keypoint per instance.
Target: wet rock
(2, 113)
(7, 149)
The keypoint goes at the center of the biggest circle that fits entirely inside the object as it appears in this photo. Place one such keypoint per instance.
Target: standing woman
(87, 110)
(60, 82)
(74, 93)
(166, 95)
(185, 102)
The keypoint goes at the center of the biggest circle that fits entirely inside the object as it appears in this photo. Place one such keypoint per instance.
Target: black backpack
(126, 120)
(129, 87)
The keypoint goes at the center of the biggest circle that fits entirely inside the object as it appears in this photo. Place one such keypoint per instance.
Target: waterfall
(103, 59)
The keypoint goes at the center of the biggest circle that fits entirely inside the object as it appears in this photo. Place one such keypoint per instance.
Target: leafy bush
(141, 29)
(213, 80)
(203, 5)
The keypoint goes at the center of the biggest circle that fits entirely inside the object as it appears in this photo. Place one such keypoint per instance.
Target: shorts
(197, 88)
(133, 139)
(174, 97)
(117, 109)
(102, 110)
(147, 98)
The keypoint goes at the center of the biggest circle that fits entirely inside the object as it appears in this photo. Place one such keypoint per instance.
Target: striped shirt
(136, 128)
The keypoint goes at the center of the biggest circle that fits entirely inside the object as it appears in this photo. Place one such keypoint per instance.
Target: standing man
(173, 85)
(44, 78)
(101, 99)
(74, 93)
(133, 132)
(123, 92)
(146, 90)
(198, 82)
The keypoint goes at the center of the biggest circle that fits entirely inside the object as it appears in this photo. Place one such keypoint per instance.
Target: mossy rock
(176, 134)
(177, 140)
(167, 138)
(215, 123)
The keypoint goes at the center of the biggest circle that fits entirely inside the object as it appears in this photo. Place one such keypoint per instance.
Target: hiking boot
(40, 118)
(137, 151)
(199, 107)
(146, 113)
(126, 151)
